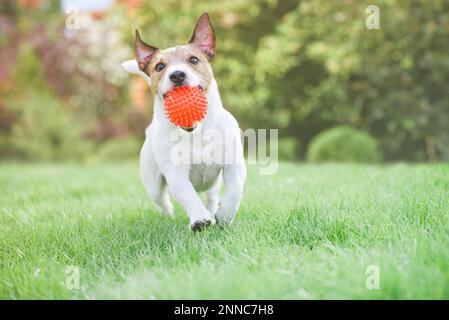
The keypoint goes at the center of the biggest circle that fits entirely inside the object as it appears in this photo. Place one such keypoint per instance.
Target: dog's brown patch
(201, 45)
(180, 54)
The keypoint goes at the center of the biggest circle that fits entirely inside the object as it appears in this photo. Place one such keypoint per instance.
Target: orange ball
(185, 106)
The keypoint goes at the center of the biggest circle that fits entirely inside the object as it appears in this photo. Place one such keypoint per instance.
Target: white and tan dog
(189, 65)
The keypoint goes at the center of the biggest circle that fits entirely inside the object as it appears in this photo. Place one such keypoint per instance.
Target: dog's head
(187, 64)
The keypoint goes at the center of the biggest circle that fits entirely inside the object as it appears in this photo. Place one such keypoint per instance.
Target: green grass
(310, 231)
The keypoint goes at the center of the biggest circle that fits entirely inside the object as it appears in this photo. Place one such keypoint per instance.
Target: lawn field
(308, 232)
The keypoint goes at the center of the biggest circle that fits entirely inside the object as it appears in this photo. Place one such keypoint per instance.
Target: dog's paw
(202, 219)
(224, 216)
(200, 225)
(223, 222)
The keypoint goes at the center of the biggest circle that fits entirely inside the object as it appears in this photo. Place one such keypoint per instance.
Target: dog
(190, 65)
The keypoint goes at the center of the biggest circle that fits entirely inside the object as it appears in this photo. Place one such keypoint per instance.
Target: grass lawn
(310, 231)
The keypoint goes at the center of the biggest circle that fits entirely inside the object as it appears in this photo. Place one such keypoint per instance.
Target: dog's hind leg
(213, 195)
(163, 201)
(154, 181)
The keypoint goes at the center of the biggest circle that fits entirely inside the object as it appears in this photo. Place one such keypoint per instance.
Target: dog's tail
(131, 66)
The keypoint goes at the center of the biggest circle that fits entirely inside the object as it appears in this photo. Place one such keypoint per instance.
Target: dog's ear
(144, 52)
(131, 66)
(204, 36)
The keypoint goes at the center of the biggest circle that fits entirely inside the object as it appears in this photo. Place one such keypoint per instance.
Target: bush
(289, 148)
(44, 128)
(125, 148)
(344, 144)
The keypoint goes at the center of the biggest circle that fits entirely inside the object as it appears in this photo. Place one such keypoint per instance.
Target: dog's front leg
(234, 176)
(182, 189)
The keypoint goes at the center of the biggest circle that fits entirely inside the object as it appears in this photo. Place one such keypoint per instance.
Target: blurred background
(336, 90)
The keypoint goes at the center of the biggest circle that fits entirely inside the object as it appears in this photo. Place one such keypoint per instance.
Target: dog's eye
(160, 67)
(194, 60)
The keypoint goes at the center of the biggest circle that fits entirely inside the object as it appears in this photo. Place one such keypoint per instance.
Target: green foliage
(28, 72)
(289, 148)
(118, 149)
(298, 66)
(44, 128)
(45, 131)
(304, 66)
(344, 144)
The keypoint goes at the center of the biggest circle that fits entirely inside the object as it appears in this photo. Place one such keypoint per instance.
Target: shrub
(344, 144)
(43, 128)
(115, 149)
(289, 148)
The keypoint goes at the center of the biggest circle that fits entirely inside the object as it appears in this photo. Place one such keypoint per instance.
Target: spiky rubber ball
(185, 106)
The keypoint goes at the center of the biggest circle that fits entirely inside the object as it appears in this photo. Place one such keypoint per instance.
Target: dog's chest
(203, 176)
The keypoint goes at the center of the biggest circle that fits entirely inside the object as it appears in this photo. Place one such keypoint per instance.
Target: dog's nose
(177, 77)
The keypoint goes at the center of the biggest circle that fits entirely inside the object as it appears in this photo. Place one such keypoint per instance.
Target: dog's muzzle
(191, 129)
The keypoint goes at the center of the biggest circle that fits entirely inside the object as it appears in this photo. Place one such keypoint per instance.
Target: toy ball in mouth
(185, 106)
